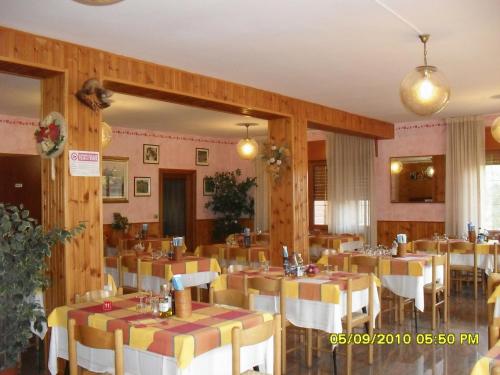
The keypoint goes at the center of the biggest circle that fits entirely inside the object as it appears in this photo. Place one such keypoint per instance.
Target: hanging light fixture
(424, 90)
(495, 129)
(247, 148)
(98, 2)
(106, 134)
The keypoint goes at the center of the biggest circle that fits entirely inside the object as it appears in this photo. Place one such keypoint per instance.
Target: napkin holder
(402, 249)
(472, 236)
(183, 303)
(178, 252)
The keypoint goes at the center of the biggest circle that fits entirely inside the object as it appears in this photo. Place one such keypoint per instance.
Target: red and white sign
(84, 163)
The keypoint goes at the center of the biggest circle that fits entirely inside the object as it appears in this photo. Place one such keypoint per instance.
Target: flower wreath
(276, 158)
(51, 136)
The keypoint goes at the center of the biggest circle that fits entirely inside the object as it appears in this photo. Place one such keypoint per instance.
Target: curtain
(351, 193)
(465, 160)
(261, 218)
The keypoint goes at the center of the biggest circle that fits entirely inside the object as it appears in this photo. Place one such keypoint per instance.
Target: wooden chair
(252, 336)
(211, 251)
(425, 246)
(131, 262)
(458, 273)
(95, 295)
(493, 324)
(339, 262)
(230, 297)
(437, 289)
(353, 320)
(241, 255)
(317, 245)
(96, 339)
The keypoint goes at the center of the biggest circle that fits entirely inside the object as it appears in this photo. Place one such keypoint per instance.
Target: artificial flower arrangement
(51, 135)
(276, 158)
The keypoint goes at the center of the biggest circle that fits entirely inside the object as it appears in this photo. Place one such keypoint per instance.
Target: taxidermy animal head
(94, 95)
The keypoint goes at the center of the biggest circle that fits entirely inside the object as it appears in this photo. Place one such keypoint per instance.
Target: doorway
(178, 204)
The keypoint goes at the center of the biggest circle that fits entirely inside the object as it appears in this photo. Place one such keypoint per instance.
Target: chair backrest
(263, 285)
(425, 246)
(255, 335)
(365, 264)
(131, 262)
(211, 251)
(95, 295)
(461, 247)
(340, 262)
(240, 254)
(97, 339)
(354, 285)
(230, 297)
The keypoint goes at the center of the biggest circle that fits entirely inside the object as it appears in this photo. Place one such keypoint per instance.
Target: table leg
(309, 347)
(401, 310)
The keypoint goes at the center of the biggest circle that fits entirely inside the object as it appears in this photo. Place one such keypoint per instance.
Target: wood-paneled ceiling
(349, 55)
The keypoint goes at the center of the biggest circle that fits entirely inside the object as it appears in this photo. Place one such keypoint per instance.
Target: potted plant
(119, 227)
(230, 202)
(24, 247)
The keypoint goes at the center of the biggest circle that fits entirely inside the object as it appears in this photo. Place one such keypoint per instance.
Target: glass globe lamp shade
(396, 167)
(430, 171)
(247, 148)
(106, 135)
(495, 129)
(424, 90)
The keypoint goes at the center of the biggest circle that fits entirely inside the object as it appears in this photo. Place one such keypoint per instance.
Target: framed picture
(142, 186)
(202, 156)
(151, 154)
(114, 179)
(208, 186)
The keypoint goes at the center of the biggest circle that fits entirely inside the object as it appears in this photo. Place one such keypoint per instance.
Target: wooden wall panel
(387, 230)
(66, 66)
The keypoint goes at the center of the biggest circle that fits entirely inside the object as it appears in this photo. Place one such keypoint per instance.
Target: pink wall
(410, 139)
(177, 151)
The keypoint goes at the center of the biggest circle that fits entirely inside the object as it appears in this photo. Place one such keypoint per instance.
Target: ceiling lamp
(106, 134)
(396, 167)
(495, 129)
(430, 171)
(424, 90)
(247, 147)
(98, 2)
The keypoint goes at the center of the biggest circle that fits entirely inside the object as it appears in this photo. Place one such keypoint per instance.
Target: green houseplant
(119, 228)
(24, 247)
(230, 202)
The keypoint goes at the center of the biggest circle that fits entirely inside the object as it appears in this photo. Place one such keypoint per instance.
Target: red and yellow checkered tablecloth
(208, 327)
(166, 269)
(410, 265)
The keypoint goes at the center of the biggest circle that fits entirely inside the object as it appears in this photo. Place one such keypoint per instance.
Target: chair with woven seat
(425, 246)
(255, 335)
(96, 339)
(438, 288)
(462, 273)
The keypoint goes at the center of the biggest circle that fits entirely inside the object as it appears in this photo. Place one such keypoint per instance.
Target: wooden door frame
(190, 176)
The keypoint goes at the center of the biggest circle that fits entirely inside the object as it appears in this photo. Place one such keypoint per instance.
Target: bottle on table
(247, 241)
(286, 264)
(165, 305)
(300, 265)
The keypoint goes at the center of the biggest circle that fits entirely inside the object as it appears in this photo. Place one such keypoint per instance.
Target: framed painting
(208, 186)
(114, 179)
(151, 154)
(142, 186)
(202, 156)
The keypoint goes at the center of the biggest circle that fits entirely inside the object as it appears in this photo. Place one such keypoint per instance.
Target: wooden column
(289, 207)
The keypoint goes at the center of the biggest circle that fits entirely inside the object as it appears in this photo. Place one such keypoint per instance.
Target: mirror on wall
(417, 179)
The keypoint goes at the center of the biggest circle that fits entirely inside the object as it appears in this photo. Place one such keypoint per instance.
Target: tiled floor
(466, 316)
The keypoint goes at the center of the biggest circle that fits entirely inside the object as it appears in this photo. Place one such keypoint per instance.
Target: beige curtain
(465, 162)
(261, 218)
(351, 193)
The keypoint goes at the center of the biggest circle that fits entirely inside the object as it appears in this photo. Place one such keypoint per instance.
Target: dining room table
(485, 255)
(197, 344)
(404, 276)
(193, 271)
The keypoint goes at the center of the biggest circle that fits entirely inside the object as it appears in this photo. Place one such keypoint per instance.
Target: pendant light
(106, 134)
(98, 2)
(396, 167)
(495, 129)
(247, 148)
(424, 90)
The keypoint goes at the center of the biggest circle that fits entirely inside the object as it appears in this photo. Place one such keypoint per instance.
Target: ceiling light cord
(400, 17)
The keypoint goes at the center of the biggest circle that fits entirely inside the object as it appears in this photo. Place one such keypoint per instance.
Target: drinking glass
(328, 268)
(155, 306)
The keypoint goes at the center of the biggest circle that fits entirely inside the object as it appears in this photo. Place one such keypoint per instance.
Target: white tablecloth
(139, 362)
(412, 286)
(316, 314)
(351, 246)
(154, 282)
(484, 261)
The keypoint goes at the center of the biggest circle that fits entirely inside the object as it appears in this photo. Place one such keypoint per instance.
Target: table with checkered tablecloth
(160, 346)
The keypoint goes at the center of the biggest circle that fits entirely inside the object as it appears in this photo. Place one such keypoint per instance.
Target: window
(318, 199)
(491, 212)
